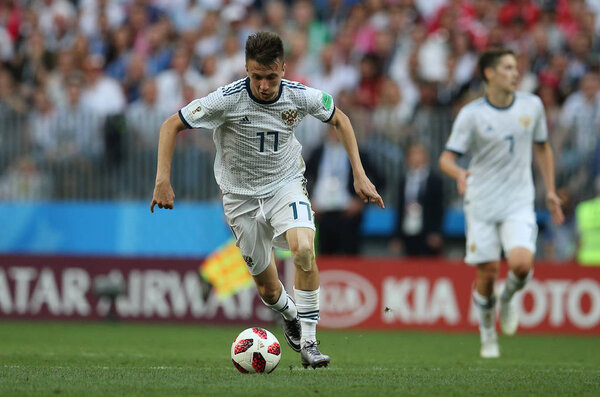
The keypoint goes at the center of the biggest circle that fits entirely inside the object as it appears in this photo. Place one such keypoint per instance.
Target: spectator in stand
(275, 16)
(170, 82)
(23, 180)
(213, 76)
(370, 82)
(333, 75)
(144, 118)
(304, 22)
(56, 83)
(526, 10)
(580, 58)
(232, 62)
(391, 118)
(100, 40)
(579, 132)
(338, 211)
(78, 125)
(528, 81)
(118, 53)
(6, 45)
(90, 12)
(34, 62)
(420, 209)
(11, 100)
(41, 127)
(136, 72)
(102, 95)
(159, 53)
(208, 41)
(299, 64)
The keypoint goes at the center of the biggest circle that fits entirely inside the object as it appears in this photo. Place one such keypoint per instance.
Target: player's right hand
(461, 181)
(553, 202)
(163, 196)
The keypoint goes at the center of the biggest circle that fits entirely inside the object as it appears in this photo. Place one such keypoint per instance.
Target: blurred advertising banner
(355, 293)
(436, 294)
(54, 287)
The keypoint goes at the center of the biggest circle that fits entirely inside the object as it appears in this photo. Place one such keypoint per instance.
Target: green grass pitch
(87, 359)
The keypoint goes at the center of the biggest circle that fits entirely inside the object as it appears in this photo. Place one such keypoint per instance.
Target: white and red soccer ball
(255, 350)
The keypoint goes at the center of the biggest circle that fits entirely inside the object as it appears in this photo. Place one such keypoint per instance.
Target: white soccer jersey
(500, 143)
(257, 151)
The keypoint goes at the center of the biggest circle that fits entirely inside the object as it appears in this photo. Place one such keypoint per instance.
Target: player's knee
(303, 257)
(269, 292)
(521, 269)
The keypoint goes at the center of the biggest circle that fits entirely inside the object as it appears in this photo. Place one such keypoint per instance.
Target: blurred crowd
(85, 84)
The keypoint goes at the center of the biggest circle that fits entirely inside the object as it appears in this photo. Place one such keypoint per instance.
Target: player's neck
(500, 98)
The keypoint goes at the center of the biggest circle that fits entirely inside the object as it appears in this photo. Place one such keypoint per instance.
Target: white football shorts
(486, 239)
(260, 224)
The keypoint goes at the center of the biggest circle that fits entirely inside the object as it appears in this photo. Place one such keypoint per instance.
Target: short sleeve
(319, 104)
(461, 135)
(206, 112)
(540, 129)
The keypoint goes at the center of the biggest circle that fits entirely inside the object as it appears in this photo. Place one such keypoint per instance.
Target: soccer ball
(255, 350)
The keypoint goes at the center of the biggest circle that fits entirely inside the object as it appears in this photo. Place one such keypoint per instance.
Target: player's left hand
(553, 202)
(366, 191)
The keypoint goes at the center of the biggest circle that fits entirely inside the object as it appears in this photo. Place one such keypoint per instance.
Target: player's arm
(362, 185)
(163, 192)
(448, 166)
(545, 159)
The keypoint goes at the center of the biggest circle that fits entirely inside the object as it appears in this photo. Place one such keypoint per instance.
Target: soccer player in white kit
(499, 131)
(260, 171)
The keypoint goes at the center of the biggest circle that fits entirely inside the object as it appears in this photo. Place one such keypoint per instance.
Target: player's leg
(306, 291)
(518, 238)
(485, 302)
(291, 216)
(254, 237)
(273, 294)
(483, 250)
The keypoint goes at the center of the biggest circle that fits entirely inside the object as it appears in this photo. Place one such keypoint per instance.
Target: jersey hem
(184, 120)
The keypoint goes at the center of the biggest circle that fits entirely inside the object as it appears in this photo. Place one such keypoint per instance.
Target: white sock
(513, 284)
(307, 303)
(284, 305)
(486, 314)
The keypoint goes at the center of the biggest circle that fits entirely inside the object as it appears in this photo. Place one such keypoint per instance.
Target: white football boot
(489, 344)
(489, 337)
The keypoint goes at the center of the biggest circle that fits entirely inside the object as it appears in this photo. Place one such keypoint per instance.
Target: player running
(260, 171)
(498, 131)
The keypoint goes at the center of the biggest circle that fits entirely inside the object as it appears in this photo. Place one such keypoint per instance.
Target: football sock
(513, 284)
(307, 303)
(485, 310)
(284, 305)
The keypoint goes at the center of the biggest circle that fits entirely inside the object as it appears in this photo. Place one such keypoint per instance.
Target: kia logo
(347, 299)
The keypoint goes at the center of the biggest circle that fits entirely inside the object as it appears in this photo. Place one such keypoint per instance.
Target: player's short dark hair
(265, 48)
(490, 59)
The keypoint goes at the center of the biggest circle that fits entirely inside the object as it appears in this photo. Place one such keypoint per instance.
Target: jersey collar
(499, 107)
(257, 100)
